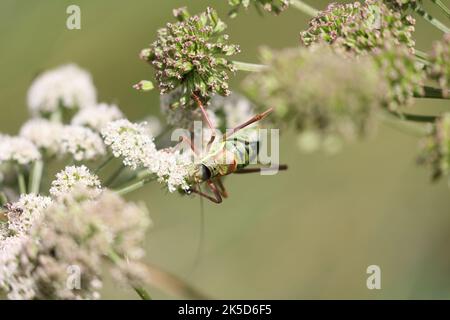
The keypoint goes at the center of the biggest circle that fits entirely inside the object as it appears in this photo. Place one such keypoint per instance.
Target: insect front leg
(221, 187)
(217, 197)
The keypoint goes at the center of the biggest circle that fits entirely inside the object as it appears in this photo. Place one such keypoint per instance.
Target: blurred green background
(307, 233)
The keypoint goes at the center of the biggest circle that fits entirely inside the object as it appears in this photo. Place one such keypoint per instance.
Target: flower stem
(305, 8)
(134, 186)
(36, 176)
(114, 176)
(407, 127)
(416, 117)
(249, 67)
(444, 8)
(427, 17)
(142, 293)
(21, 181)
(103, 164)
(434, 93)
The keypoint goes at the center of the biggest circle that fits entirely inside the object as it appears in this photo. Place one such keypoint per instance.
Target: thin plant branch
(434, 93)
(305, 8)
(249, 67)
(36, 176)
(444, 8)
(427, 17)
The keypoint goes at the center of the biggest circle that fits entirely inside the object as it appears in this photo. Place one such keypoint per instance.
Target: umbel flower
(274, 6)
(130, 141)
(373, 28)
(45, 134)
(67, 87)
(439, 69)
(17, 150)
(191, 55)
(98, 116)
(82, 143)
(74, 177)
(435, 147)
(325, 95)
(76, 232)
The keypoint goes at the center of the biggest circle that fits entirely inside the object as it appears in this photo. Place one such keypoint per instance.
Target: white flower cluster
(171, 168)
(18, 150)
(67, 86)
(82, 143)
(130, 141)
(23, 214)
(72, 177)
(98, 116)
(44, 134)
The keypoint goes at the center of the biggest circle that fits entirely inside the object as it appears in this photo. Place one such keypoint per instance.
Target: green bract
(325, 95)
(191, 55)
(439, 69)
(275, 6)
(435, 148)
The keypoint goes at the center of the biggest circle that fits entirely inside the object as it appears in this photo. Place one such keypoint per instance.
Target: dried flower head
(130, 141)
(72, 177)
(82, 143)
(67, 87)
(18, 150)
(274, 6)
(439, 69)
(435, 147)
(44, 134)
(98, 116)
(319, 91)
(191, 54)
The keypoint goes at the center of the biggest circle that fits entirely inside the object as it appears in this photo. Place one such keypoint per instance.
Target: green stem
(114, 176)
(36, 177)
(21, 181)
(134, 186)
(444, 8)
(305, 8)
(142, 293)
(103, 164)
(434, 93)
(249, 67)
(416, 117)
(392, 120)
(433, 21)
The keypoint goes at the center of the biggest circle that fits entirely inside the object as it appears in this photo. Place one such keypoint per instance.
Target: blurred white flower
(98, 116)
(43, 133)
(67, 86)
(235, 108)
(153, 125)
(72, 177)
(82, 143)
(23, 214)
(18, 150)
(131, 141)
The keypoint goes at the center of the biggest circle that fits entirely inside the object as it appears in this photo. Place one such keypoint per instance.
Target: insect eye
(205, 172)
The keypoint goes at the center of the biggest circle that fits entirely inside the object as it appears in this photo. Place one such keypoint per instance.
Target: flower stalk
(429, 18)
(36, 177)
(303, 7)
(249, 67)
